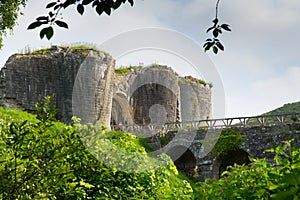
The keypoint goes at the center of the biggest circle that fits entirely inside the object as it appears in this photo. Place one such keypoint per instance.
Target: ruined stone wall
(27, 78)
(195, 100)
(182, 99)
(85, 85)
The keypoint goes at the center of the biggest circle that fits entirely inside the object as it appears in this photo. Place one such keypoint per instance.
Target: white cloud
(275, 91)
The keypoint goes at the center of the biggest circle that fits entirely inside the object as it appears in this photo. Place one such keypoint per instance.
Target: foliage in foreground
(259, 180)
(9, 12)
(41, 159)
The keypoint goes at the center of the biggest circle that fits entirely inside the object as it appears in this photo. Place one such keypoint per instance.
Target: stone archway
(238, 156)
(186, 163)
(121, 113)
(148, 95)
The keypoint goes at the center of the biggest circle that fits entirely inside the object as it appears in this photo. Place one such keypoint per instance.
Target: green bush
(229, 140)
(42, 159)
(259, 180)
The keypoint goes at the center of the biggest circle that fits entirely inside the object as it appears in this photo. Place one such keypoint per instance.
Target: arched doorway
(238, 156)
(186, 163)
(151, 94)
(121, 113)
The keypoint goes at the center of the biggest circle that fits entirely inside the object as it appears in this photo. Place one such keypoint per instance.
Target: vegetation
(56, 7)
(286, 109)
(228, 141)
(122, 71)
(290, 108)
(217, 29)
(46, 51)
(189, 79)
(10, 9)
(259, 180)
(9, 12)
(43, 159)
(155, 65)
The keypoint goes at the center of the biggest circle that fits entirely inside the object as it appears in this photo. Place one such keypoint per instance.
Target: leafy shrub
(42, 159)
(259, 180)
(228, 141)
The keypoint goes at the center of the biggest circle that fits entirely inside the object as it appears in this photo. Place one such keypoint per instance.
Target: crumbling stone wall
(182, 99)
(86, 86)
(27, 78)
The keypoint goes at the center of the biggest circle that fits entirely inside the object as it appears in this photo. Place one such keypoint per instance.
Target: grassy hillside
(286, 109)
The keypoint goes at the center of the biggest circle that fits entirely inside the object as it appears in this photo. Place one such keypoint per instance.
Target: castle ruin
(85, 85)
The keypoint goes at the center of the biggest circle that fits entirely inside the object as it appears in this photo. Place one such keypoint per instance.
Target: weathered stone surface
(195, 100)
(27, 78)
(142, 89)
(258, 140)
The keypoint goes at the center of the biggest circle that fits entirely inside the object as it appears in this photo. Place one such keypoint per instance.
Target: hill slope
(289, 108)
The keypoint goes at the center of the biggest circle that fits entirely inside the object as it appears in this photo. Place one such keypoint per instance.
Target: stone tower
(27, 78)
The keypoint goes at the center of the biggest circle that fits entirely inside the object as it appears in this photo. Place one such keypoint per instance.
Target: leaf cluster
(9, 12)
(214, 42)
(229, 140)
(54, 17)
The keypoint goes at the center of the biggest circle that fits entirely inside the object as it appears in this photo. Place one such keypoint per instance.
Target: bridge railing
(262, 121)
(239, 122)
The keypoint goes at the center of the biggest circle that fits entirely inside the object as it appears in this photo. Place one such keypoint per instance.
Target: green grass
(17, 115)
(286, 109)
(122, 71)
(46, 51)
(189, 79)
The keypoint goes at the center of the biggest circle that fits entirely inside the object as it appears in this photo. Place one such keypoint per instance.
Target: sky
(259, 69)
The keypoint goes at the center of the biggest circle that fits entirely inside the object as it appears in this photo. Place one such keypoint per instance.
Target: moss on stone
(189, 79)
(122, 71)
(46, 51)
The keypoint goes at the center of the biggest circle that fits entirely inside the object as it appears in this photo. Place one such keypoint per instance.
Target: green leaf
(117, 4)
(34, 25)
(95, 3)
(215, 49)
(51, 4)
(48, 32)
(131, 2)
(274, 187)
(80, 9)
(86, 2)
(208, 45)
(226, 27)
(56, 7)
(42, 18)
(292, 179)
(216, 32)
(220, 46)
(209, 29)
(107, 10)
(99, 9)
(23, 123)
(61, 24)
(285, 194)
